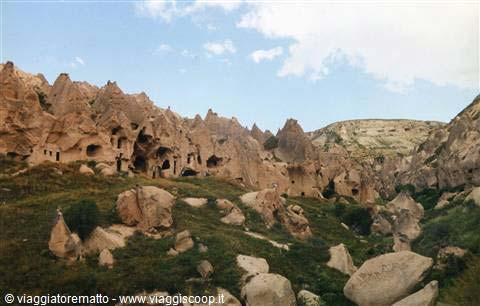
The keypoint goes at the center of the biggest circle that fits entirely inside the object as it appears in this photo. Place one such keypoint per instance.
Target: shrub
(82, 217)
(271, 143)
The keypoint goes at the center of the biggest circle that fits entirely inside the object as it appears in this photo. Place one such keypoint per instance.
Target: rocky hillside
(364, 139)
(450, 157)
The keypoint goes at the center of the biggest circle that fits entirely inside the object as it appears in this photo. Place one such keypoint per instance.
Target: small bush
(82, 217)
(271, 143)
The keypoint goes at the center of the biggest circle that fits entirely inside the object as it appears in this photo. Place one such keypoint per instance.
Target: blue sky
(318, 64)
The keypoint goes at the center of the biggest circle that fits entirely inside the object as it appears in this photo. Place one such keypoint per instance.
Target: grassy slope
(26, 265)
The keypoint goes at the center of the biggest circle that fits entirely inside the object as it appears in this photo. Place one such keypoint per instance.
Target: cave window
(119, 165)
(142, 138)
(57, 156)
(189, 172)
(302, 194)
(329, 190)
(92, 150)
(199, 160)
(50, 153)
(134, 126)
(44, 152)
(213, 161)
(293, 182)
(175, 167)
(153, 173)
(140, 163)
(166, 165)
(188, 159)
(120, 142)
(355, 191)
(162, 151)
(115, 130)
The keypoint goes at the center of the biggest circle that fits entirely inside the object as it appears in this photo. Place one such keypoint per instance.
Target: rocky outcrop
(425, 297)
(107, 238)
(341, 260)
(232, 213)
(293, 144)
(271, 206)
(148, 208)
(450, 157)
(386, 279)
(252, 265)
(63, 243)
(84, 169)
(474, 196)
(205, 269)
(401, 217)
(267, 289)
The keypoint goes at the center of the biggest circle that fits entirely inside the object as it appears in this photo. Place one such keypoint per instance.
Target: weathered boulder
(62, 242)
(295, 222)
(222, 297)
(84, 169)
(252, 265)
(267, 289)
(404, 201)
(146, 207)
(425, 297)
(106, 258)
(195, 202)
(474, 196)
(108, 171)
(232, 213)
(309, 299)
(267, 203)
(183, 241)
(341, 260)
(386, 279)
(108, 238)
(205, 269)
(406, 228)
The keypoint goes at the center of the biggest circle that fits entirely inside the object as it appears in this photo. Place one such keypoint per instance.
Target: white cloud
(168, 9)
(163, 48)
(77, 61)
(394, 43)
(219, 48)
(268, 55)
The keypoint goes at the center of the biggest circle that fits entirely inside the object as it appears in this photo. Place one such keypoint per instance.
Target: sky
(265, 61)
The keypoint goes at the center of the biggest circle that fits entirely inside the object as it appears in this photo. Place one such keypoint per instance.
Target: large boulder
(425, 297)
(267, 203)
(63, 243)
(205, 269)
(146, 207)
(268, 289)
(404, 201)
(386, 279)
(106, 238)
(222, 298)
(232, 214)
(341, 260)
(195, 202)
(252, 265)
(295, 222)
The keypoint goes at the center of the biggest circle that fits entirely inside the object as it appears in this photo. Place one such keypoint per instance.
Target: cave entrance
(120, 142)
(166, 164)
(119, 165)
(189, 172)
(140, 164)
(329, 190)
(93, 150)
(214, 161)
(355, 191)
(162, 151)
(57, 156)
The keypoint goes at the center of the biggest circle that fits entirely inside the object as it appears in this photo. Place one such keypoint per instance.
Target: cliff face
(364, 139)
(450, 157)
(77, 121)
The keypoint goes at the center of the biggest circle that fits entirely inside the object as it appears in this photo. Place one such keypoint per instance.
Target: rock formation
(341, 260)
(63, 243)
(149, 208)
(425, 297)
(386, 279)
(268, 289)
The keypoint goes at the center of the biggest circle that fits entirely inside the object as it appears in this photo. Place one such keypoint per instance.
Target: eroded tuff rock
(252, 265)
(341, 260)
(309, 299)
(107, 238)
(232, 213)
(400, 217)
(148, 208)
(268, 289)
(386, 279)
(271, 206)
(183, 241)
(425, 297)
(106, 259)
(63, 243)
(450, 157)
(72, 121)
